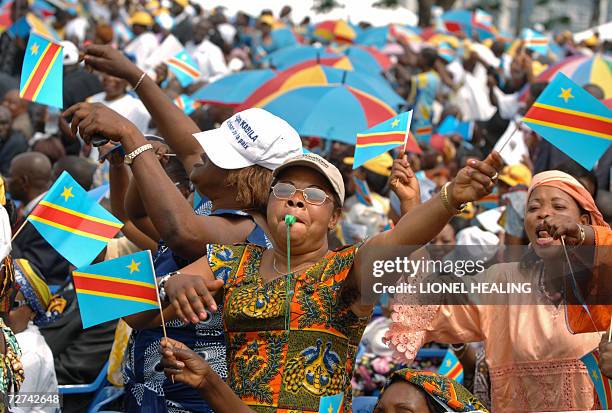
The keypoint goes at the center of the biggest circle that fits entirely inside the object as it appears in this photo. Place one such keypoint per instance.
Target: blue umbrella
(336, 112)
(233, 89)
(289, 56)
(283, 37)
(380, 36)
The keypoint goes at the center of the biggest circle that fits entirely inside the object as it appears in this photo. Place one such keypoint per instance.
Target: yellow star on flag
(448, 363)
(331, 409)
(67, 193)
(595, 376)
(394, 123)
(34, 48)
(134, 266)
(566, 94)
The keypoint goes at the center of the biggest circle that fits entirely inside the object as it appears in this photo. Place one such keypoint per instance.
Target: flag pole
(161, 309)
(518, 126)
(23, 224)
(610, 331)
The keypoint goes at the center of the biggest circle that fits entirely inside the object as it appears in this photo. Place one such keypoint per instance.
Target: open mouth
(543, 237)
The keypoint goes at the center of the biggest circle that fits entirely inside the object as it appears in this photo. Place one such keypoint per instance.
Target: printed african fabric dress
(11, 369)
(290, 341)
(147, 387)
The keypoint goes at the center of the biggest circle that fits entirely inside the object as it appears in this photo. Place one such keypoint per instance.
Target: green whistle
(289, 220)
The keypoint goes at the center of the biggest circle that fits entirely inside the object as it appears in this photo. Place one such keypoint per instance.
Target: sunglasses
(314, 196)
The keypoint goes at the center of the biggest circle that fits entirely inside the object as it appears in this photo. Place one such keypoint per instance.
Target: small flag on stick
(383, 137)
(603, 384)
(116, 288)
(43, 72)
(451, 367)
(184, 67)
(72, 222)
(570, 118)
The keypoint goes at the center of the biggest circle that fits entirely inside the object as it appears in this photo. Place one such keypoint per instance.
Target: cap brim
(219, 151)
(311, 165)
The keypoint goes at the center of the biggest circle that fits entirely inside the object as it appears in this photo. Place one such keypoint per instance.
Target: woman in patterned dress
(292, 330)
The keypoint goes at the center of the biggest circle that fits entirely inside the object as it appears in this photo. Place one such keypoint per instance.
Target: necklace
(553, 298)
(306, 265)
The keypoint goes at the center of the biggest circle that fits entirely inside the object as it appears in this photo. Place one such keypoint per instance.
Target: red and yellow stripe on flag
(113, 287)
(455, 372)
(75, 222)
(181, 65)
(570, 120)
(42, 68)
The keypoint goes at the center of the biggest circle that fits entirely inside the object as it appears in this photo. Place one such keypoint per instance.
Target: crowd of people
(259, 234)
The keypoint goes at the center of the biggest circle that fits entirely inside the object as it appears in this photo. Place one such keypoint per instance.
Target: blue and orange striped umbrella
(334, 31)
(335, 112)
(308, 74)
(582, 70)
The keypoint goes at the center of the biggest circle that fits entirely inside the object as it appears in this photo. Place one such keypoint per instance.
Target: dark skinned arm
(176, 127)
(136, 212)
(184, 231)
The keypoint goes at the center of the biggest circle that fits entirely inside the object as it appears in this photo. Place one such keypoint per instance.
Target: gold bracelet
(446, 202)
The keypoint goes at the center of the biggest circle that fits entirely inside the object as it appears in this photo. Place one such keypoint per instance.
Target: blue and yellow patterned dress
(284, 354)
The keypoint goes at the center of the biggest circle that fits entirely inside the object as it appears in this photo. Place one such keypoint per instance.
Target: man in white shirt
(144, 43)
(209, 56)
(115, 97)
(34, 306)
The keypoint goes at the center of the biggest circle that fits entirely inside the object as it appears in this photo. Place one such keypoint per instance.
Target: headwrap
(443, 390)
(573, 188)
(48, 308)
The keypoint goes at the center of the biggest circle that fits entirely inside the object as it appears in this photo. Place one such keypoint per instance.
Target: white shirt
(142, 47)
(77, 27)
(210, 59)
(127, 106)
(38, 366)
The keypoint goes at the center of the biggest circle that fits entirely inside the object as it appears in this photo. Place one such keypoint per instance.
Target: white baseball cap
(251, 137)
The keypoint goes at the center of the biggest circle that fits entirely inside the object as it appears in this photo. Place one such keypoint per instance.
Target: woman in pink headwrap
(531, 350)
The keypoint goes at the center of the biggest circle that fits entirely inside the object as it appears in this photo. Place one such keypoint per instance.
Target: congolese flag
(383, 137)
(603, 385)
(186, 104)
(184, 68)
(116, 288)
(362, 191)
(535, 41)
(73, 223)
(451, 125)
(42, 73)
(571, 119)
(451, 367)
(331, 404)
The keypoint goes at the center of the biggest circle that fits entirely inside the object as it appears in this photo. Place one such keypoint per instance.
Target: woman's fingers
(483, 180)
(186, 308)
(484, 168)
(196, 304)
(495, 160)
(179, 310)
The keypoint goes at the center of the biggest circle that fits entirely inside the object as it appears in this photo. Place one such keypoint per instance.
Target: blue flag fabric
(451, 367)
(535, 41)
(331, 404)
(116, 288)
(570, 118)
(184, 67)
(602, 384)
(451, 125)
(384, 137)
(72, 222)
(42, 73)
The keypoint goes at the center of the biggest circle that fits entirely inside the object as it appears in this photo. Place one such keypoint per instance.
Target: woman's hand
(162, 152)
(107, 59)
(476, 180)
(90, 119)
(404, 182)
(605, 355)
(183, 364)
(559, 226)
(191, 295)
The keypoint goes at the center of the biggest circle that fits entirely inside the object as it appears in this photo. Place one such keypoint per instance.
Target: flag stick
(161, 310)
(23, 224)
(518, 126)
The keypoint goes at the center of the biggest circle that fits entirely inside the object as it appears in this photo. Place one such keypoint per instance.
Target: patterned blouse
(11, 370)
(280, 360)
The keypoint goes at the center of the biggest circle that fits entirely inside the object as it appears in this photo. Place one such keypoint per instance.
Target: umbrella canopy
(334, 31)
(319, 75)
(369, 59)
(470, 22)
(283, 37)
(335, 112)
(233, 89)
(379, 37)
(360, 60)
(583, 70)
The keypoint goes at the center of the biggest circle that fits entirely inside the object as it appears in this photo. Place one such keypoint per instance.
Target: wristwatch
(445, 200)
(129, 158)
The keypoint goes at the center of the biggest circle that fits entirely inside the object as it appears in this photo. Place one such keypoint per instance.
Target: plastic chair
(104, 391)
(364, 404)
